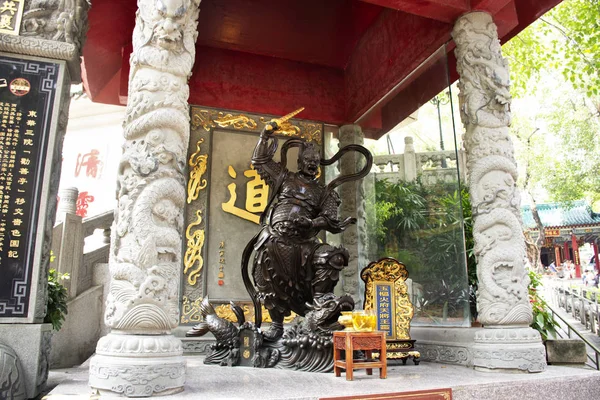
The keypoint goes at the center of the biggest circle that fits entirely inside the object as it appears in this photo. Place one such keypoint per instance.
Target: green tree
(566, 40)
(555, 74)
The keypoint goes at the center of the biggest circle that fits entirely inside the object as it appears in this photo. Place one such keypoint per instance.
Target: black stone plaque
(247, 350)
(27, 96)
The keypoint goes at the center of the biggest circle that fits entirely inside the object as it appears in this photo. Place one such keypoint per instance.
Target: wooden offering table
(365, 341)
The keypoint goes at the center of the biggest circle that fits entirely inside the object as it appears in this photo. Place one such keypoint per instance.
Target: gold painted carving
(197, 165)
(401, 354)
(224, 311)
(238, 121)
(399, 345)
(257, 195)
(390, 270)
(202, 119)
(209, 119)
(311, 132)
(193, 253)
(190, 311)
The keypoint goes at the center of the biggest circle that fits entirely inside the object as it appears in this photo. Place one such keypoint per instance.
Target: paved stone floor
(240, 383)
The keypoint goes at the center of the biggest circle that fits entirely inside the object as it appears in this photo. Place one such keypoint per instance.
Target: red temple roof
(337, 58)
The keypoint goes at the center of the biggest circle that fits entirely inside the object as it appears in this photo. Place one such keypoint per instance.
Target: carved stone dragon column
(353, 205)
(507, 342)
(139, 357)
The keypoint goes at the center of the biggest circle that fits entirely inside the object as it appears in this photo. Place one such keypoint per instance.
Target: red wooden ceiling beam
(440, 10)
(111, 24)
(491, 6)
(395, 45)
(242, 81)
(314, 31)
(235, 80)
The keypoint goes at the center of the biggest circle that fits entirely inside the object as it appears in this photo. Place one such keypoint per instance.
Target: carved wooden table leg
(369, 355)
(336, 356)
(349, 358)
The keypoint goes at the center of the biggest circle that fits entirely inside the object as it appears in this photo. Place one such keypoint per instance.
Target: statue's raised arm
(262, 158)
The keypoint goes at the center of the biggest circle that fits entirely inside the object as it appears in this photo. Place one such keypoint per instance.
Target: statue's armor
(291, 265)
(297, 198)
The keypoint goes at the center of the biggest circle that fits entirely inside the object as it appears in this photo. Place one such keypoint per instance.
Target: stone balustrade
(432, 166)
(74, 255)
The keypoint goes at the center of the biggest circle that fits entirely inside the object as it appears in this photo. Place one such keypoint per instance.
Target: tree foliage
(555, 74)
(566, 40)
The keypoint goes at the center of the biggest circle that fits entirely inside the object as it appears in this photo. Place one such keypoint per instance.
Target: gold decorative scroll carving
(237, 122)
(393, 271)
(197, 165)
(193, 253)
(190, 312)
(209, 119)
(311, 132)
(224, 311)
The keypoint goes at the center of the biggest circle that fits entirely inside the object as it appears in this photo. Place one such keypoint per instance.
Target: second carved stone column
(507, 342)
(140, 357)
(353, 205)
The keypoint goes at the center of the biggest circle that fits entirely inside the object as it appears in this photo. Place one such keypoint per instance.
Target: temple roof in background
(562, 215)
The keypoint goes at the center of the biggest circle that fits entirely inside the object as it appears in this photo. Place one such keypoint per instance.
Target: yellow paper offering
(363, 321)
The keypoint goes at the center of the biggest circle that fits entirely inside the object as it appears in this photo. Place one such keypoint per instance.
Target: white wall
(93, 126)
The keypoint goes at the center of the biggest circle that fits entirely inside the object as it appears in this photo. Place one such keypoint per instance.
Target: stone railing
(580, 302)
(72, 253)
(433, 166)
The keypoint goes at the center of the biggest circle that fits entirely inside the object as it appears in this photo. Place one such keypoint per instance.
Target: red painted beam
(506, 19)
(433, 80)
(242, 81)
(440, 10)
(111, 27)
(314, 31)
(393, 47)
(490, 6)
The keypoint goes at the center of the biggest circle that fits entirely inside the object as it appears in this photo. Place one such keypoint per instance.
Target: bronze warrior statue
(293, 270)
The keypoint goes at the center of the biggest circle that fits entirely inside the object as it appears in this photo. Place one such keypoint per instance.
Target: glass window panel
(413, 196)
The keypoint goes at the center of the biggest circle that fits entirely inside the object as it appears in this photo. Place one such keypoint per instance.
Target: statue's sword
(281, 121)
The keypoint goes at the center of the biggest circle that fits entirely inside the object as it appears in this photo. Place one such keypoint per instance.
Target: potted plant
(57, 299)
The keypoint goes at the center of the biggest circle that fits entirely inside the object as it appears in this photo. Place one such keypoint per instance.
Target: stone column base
(503, 348)
(138, 365)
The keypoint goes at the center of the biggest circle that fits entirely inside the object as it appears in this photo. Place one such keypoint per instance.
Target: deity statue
(293, 270)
